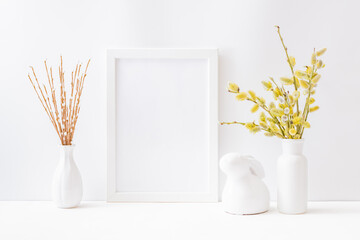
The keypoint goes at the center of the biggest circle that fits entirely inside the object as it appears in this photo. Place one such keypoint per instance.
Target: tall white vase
(67, 184)
(292, 172)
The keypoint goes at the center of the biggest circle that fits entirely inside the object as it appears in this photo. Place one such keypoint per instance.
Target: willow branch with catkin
(65, 115)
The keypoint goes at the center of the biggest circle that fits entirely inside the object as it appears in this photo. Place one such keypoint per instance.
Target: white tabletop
(147, 221)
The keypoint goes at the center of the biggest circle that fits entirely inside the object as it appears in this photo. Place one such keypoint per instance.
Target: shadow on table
(90, 205)
(313, 210)
(332, 211)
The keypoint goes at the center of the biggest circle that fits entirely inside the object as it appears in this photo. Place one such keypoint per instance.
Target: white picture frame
(178, 66)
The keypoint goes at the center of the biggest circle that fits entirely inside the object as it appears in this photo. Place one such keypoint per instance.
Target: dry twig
(65, 116)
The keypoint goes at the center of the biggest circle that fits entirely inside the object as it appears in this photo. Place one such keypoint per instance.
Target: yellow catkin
(262, 117)
(292, 61)
(316, 78)
(300, 74)
(276, 93)
(263, 124)
(297, 120)
(279, 135)
(267, 85)
(277, 112)
(297, 82)
(287, 81)
(292, 131)
(313, 109)
(311, 100)
(249, 125)
(319, 64)
(281, 105)
(241, 96)
(309, 70)
(269, 134)
(262, 100)
(291, 98)
(271, 120)
(313, 59)
(306, 125)
(296, 95)
(320, 52)
(254, 108)
(304, 84)
(252, 94)
(233, 87)
(274, 128)
(255, 129)
(272, 105)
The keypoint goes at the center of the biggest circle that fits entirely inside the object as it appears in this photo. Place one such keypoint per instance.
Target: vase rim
(293, 140)
(67, 146)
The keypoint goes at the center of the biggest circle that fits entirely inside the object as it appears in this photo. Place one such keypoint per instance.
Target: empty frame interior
(162, 130)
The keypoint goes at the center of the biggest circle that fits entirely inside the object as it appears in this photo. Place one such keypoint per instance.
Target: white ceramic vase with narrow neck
(67, 183)
(292, 172)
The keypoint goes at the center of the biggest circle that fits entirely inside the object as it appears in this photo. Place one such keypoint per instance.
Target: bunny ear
(255, 167)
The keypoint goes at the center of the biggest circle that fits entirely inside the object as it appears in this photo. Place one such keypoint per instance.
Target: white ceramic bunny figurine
(244, 192)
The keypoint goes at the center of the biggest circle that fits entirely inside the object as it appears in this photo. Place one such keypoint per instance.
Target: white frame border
(212, 57)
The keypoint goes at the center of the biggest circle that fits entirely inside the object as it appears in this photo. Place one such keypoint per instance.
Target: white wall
(31, 31)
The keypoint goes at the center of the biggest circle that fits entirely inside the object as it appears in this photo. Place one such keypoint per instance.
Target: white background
(31, 31)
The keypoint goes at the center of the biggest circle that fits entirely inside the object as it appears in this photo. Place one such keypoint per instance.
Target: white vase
(292, 177)
(67, 184)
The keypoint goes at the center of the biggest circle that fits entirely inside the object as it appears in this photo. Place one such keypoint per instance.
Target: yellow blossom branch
(229, 123)
(268, 111)
(289, 62)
